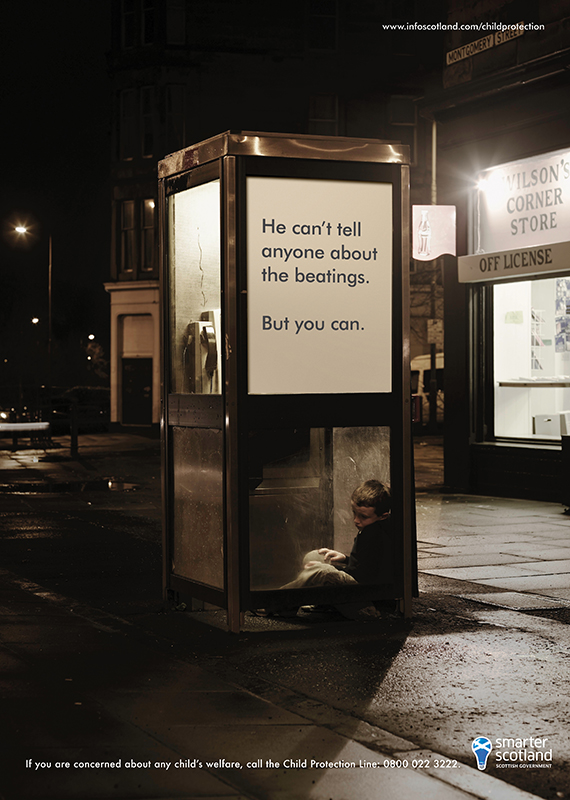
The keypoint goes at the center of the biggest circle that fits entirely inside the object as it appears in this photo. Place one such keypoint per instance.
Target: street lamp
(22, 230)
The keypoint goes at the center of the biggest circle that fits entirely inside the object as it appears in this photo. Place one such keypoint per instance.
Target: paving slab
(477, 574)
(472, 527)
(480, 540)
(515, 600)
(429, 561)
(313, 763)
(550, 567)
(179, 708)
(533, 551)
(563, 594)
(534, 583)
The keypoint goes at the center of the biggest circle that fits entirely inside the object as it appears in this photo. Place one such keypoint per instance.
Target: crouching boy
(371, 560)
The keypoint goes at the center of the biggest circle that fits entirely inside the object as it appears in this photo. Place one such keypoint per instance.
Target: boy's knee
(313, 555)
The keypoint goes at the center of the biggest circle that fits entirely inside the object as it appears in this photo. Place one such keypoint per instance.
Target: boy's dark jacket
(371, 559)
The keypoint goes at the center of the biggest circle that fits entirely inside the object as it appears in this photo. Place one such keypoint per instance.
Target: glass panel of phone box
(195, 368)
(301, 486)
(195, 290)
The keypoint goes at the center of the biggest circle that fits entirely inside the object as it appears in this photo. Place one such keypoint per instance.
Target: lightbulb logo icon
(482, 747)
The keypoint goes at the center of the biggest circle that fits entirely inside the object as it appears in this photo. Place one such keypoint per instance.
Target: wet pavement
(96, 671)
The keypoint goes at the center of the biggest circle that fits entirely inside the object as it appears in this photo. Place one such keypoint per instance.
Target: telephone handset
(208, 341)
(201, 354)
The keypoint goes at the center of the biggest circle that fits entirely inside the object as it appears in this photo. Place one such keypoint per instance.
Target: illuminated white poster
(319, 288)
(433, 232)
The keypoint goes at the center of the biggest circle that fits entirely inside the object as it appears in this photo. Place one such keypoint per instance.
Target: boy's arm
(333, 556)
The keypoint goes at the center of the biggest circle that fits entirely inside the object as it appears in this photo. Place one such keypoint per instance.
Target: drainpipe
(434, 163)
(433, 374)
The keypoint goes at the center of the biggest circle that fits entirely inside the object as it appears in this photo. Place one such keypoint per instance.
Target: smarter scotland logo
(529, 752)
(482, 747)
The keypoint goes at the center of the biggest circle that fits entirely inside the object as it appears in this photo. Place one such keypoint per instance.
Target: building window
(136, 242)
(138, 22)
(175, 117)
(322, 25)
(323, 114)
(148, 256)
(128, 23)
(136, 135)
(148, 22)
(128, 236)
(147, 121)
(127, 124)
(176, 22)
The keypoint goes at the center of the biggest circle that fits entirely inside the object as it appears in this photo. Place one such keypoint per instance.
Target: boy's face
(364, 515)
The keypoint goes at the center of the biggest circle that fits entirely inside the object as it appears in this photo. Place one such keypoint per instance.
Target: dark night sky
(56, 155)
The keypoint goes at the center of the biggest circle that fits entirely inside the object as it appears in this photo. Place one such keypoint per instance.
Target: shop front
(514, 285)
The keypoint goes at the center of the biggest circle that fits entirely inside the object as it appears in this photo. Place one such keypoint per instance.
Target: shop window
(531, 354)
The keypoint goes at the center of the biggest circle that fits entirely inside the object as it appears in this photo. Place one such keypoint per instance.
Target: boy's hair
(372, 494)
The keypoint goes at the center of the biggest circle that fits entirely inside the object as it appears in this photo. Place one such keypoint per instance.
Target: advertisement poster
(562, 316)
(319, 277)
(116, 684)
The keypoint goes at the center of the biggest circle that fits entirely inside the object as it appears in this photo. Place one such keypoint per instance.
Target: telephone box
(286, 373)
